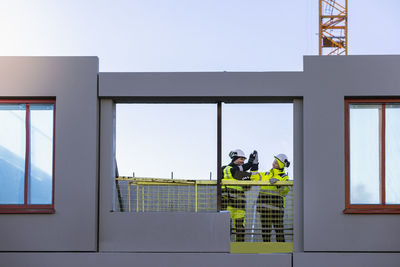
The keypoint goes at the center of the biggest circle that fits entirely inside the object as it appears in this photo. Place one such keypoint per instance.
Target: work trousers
(271, 211)
(235, 201)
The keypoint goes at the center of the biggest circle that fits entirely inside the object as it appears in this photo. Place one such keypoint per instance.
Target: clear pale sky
(154, 140)
(188, 35)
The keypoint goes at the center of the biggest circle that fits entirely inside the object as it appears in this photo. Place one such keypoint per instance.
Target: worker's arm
(232, 169)
(252, 164)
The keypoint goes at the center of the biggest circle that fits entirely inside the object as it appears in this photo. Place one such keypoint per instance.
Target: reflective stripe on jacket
(272, 197)
(232, 195)
(229, 177)
(273, 189)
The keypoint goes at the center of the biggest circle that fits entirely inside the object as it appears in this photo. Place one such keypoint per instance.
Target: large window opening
(179, 141)
(171, 157)
(259, 212)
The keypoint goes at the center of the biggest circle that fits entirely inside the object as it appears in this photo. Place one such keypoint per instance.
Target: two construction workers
(271, 198)
(233, 196)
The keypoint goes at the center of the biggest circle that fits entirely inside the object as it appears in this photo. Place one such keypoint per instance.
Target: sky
(154, 140)
(189, 35)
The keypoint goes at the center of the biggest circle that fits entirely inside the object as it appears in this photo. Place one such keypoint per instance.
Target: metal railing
(267, 218)
(166, 195)
(268, 213)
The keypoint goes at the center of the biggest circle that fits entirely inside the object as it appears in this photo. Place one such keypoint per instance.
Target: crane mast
(333, 27)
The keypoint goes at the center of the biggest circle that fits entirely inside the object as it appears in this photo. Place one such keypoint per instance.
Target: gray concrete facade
(73, 83)
(144, 259)
(326, 228)
(324, 235)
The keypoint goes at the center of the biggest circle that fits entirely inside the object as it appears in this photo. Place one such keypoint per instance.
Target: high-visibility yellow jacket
(233, 197)
(271, 197)
(273, 189)
(229, 177)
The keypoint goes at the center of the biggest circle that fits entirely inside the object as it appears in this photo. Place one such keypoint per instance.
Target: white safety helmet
(238, 153)
(283, 159)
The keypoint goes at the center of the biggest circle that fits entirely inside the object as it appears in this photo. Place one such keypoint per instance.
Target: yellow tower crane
(333, 27)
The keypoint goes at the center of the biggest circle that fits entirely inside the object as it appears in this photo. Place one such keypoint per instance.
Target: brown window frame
(26, 207)
(368, 208)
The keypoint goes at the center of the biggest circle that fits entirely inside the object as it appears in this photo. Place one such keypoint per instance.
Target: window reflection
(12, 153)
(392, 154)
(41, 146)
(364, 154)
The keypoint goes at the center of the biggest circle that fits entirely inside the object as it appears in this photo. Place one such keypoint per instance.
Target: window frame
(368, 208)
(198, 100)
(32, 208)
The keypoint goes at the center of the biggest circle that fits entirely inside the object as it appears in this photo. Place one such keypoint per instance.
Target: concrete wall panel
(200, 84)
(326, 228)
(144, 259)
(346, 259)
(73, 82)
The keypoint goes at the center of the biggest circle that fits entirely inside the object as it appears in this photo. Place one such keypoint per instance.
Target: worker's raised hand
(255, 161)
(273, 180)
(252, 157)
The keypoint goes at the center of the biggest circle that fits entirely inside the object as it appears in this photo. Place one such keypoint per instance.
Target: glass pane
(41, 148)
(392, 154)
(364, 154)
(267, 128)
(12, 153)
(161, 140)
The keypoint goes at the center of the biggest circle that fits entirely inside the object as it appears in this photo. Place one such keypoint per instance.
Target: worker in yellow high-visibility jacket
(271, 199)
(233, 196)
